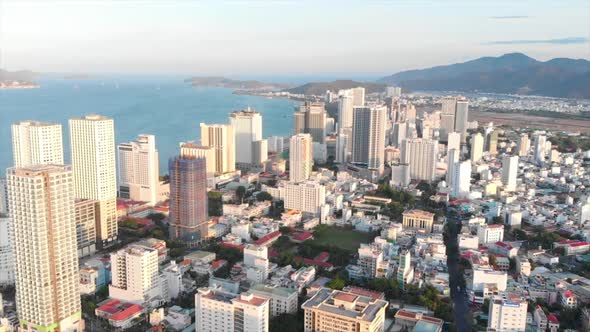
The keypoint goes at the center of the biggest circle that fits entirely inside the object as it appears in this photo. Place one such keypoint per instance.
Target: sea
(166, 107)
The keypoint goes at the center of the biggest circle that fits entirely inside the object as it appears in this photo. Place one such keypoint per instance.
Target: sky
(283, 37)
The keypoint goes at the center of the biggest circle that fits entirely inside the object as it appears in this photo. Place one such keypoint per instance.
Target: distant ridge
(223, 82)
(513, 73)
(319, 88)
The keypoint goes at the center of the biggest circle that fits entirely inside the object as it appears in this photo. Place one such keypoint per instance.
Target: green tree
(241, 193)
(336, 283)
(263, 196)
(215, 205)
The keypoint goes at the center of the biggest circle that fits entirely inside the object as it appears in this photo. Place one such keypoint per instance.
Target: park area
(342, 237)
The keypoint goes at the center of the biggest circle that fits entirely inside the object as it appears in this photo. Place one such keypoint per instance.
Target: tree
(263, 196)
(336, 283)
(285, 323)
(215, 204)
(241, 193)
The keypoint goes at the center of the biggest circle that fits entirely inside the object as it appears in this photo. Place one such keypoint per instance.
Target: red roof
(322, 256)
(302, 236)
(267, 238)
(127, 313)
(309, 261)
(218, 263)
(579, 244)
(232, 245)
(364, 292)
(119, 311)
(504, 245)
(553, 319)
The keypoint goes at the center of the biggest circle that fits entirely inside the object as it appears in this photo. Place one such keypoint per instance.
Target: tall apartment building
(300, 157)
(421, 154)
(3, 197)
(221, 137)
(283, 300)
(461, 118)
(310, 118)
(86, 214)
(492, 143)
(507, 313)
(37, 143)
(345, 111)
(368, 136)
(447, 116)
(134, 275)
(358, 96)
(476, 147)
(524, 145)
(539, 149)
(188, 217)
(46, 263)
(247, 125)
(340, 311)
(453, 141)
(462, 179)
(216, 311)
(192, 150)
(305, 197)
(92, 140)
(6, 251)
(139, 175)
(509, 172)
(452, 161)
(418, 220)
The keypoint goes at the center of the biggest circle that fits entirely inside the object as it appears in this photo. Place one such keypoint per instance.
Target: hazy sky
(285, 37)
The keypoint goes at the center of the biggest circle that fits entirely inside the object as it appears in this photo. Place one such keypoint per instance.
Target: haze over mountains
(513, 73)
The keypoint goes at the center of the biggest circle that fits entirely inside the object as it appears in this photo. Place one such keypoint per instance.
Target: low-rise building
(282, 300)
(339, 311)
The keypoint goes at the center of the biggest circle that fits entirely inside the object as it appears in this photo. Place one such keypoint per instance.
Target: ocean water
(163, 106)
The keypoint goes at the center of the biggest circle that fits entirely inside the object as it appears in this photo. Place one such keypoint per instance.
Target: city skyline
(157, 37)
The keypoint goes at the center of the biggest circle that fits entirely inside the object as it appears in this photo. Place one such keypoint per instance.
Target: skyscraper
(461, 118)
(476, 147)
(524, 145)
(6, 252)
(452, 161)
(311, 119)
(421, 155)
(221, 138)
(358, 96)
(300, 157)
(188, 199)
(539, 152)
(247, 126)
(405, 272)
(345, 111)
(368, 136)
(509, 172)
(42, 210)
(447, 116)
(462, 179)
(398, 133)
(492, 143)
(138, 169)
(92, 140)
(37, 143)
(454, 141)
(342, 143)
(192, 150)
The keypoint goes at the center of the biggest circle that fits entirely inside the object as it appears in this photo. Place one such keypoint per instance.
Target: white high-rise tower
(37, 143)
(221, 137)
(509, 172)
(42, 210)
(421, 156)
(92, 140)
(139, 176)
(247, 126)
(368, 136)
(300, 157)
(345, 111)
(476, 147)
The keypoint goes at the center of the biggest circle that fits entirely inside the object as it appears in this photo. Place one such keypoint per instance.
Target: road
(458, 294)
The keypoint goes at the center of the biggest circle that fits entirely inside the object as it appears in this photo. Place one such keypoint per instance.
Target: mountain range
(513, 73)
(319, 88)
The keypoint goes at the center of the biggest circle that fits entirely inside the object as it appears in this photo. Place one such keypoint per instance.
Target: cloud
(560, 41)
(509, 17)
